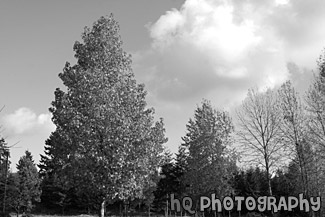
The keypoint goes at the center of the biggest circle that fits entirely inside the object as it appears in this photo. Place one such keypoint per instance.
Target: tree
(315, 106)
(55, 191)
(106, 140)
(295, 130)
(208, 164)
(251, 182)
(4, 171)
(169, 183)
(28, 183)
(315, 100)
(259, 130)
(12, 199)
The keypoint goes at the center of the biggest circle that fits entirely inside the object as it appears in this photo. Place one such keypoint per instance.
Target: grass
(14, 215)
(84, 215)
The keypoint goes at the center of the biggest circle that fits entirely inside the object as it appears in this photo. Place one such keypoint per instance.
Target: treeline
(21, 190)
(107, 152)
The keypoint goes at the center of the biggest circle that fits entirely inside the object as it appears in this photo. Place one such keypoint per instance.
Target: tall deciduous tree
(259, 129)
(295, 130)
(315, 100)
(28, 182)
(208, 164)
(106, 140)
(315, 106)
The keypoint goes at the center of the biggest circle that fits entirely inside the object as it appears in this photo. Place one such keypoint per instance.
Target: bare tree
(0, 124)
(259, 130)
(295, 131)
(315, 100)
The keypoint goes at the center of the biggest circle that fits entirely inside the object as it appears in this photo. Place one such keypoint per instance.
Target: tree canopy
(208, 164)
(106, 139)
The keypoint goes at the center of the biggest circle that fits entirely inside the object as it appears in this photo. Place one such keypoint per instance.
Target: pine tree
(28, 183)
(4, 172)
(209, 166)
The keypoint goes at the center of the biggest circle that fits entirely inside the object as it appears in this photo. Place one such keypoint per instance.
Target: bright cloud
(207, 26)
(24, 121)
(25, 130)
(209, 46)
(218, 49)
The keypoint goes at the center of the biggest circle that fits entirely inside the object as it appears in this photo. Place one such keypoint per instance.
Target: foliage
(208, 164)
(4, 173)
(106, 140)
(27, 182)
(169, 183)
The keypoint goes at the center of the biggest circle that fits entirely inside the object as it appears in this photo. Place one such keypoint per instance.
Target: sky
(182, 50)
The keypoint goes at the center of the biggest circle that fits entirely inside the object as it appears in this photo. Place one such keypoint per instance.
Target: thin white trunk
(102, 209)
(149, 210)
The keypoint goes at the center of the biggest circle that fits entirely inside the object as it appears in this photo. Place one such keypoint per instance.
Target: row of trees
(278, 126)
(20, 190)
(108, 150)
(276, 131)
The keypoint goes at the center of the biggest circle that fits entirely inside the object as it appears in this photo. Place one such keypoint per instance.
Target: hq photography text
(262, 203)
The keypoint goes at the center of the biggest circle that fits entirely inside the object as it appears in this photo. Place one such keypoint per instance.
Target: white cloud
(24, 121)
(207, 26)
(25, 130)
(208, 46)
(281, 2)
(218, 49)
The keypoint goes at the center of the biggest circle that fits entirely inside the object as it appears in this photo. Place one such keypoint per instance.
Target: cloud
(26, 122)
(212, 46)
(218, 49)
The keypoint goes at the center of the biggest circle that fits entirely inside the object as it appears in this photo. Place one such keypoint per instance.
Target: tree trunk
(149, 210)
(167, 207)
(6, 176)
(268, 175)
(269, 180)
(125, 209)
(102, 208)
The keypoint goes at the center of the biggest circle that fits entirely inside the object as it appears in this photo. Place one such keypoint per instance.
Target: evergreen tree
(209, 166)
(4, 173)
(169, 183)
(28, 183)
